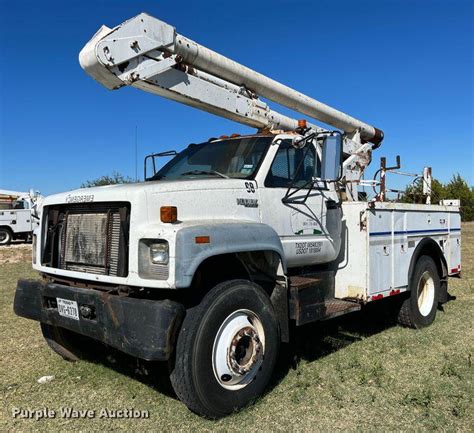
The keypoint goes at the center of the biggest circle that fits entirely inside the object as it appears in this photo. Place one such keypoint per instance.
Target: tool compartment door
(380, 251)
(453, 248)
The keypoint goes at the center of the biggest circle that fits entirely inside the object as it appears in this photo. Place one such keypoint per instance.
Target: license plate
(67, 308)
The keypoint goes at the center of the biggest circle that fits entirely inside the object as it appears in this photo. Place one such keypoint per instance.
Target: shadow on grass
(310, 343)
(317, 340)
(153, 374)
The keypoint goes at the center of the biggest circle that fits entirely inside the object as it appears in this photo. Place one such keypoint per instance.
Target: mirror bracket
(153, 157)
(333, 154)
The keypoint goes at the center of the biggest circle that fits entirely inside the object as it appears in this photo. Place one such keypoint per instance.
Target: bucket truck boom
(150, 55)
(142, 51)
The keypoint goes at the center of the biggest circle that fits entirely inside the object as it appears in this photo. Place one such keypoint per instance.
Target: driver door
(308, 220)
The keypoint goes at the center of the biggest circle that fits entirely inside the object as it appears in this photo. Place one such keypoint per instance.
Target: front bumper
(140, 327)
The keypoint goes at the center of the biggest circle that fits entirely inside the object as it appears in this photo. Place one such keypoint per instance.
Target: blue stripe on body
(410, 232)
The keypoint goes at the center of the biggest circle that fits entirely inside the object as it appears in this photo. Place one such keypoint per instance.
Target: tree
(113, 179)
(456, 188)
(414, 192)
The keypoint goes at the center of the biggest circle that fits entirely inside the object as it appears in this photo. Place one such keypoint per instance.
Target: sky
(404, 66)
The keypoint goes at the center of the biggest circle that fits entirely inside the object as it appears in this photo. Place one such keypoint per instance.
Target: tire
(6, 236)
(419, 309)
(226, 350)
(69, 345)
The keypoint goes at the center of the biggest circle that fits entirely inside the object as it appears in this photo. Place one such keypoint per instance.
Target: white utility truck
(210, 261)
(18, 215)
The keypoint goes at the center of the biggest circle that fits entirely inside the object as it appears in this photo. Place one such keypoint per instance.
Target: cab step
(312, 299)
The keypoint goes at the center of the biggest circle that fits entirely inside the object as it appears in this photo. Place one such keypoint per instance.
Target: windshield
(236, 158)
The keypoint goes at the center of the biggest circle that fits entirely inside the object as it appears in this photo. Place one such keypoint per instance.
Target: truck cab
(252, 185)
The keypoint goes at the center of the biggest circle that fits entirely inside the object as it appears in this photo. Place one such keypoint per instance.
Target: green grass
(357, 373)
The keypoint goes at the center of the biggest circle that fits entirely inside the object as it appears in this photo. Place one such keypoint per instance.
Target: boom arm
(148, 54)
(143, 53)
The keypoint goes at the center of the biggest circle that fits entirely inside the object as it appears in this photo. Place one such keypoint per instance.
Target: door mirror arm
(331, 170)
(292, 189)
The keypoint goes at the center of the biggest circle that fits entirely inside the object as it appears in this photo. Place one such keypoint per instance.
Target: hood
(126, 192)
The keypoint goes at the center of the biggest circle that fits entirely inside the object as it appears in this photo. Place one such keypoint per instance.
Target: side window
(292, 166)
(20, 204)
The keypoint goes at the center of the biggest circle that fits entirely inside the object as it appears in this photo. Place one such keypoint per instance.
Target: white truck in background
(212, 260)
(18, 215)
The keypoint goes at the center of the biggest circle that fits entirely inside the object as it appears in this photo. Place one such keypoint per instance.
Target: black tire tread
(58, 343)
(406, 315)
(181, 376)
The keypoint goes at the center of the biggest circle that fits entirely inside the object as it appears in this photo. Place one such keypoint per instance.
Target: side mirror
(331, 157)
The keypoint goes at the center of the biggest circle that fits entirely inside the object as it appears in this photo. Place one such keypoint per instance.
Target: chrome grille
(90, 238)
(114, 237)
(86, 239)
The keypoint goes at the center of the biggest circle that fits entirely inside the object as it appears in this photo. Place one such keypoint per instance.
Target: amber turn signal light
(302, 123)
(169, 214)
(202, 239)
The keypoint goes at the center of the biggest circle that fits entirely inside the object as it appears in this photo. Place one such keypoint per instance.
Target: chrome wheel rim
(238, 350)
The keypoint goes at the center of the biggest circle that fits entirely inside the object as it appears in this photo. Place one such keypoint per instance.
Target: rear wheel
(70, 345)
(227, 349)
(5, 236)
(419, 309)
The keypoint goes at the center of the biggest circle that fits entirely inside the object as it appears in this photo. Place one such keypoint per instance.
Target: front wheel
(419, 309)
(69, 345)
(226, 350)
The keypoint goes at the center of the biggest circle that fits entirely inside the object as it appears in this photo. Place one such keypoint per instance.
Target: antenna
(136, 153)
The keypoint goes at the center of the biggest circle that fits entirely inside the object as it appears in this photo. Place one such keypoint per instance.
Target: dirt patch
(15, 253)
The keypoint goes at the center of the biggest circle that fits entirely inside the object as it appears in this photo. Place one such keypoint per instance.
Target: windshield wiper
(199, 172)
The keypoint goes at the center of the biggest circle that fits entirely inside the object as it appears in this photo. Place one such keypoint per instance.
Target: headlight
(159, 253)
(153, 259)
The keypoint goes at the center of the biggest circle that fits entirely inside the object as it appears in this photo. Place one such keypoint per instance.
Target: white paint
(426, 294)
(379, 243)
(143, 52)
(372, 246)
